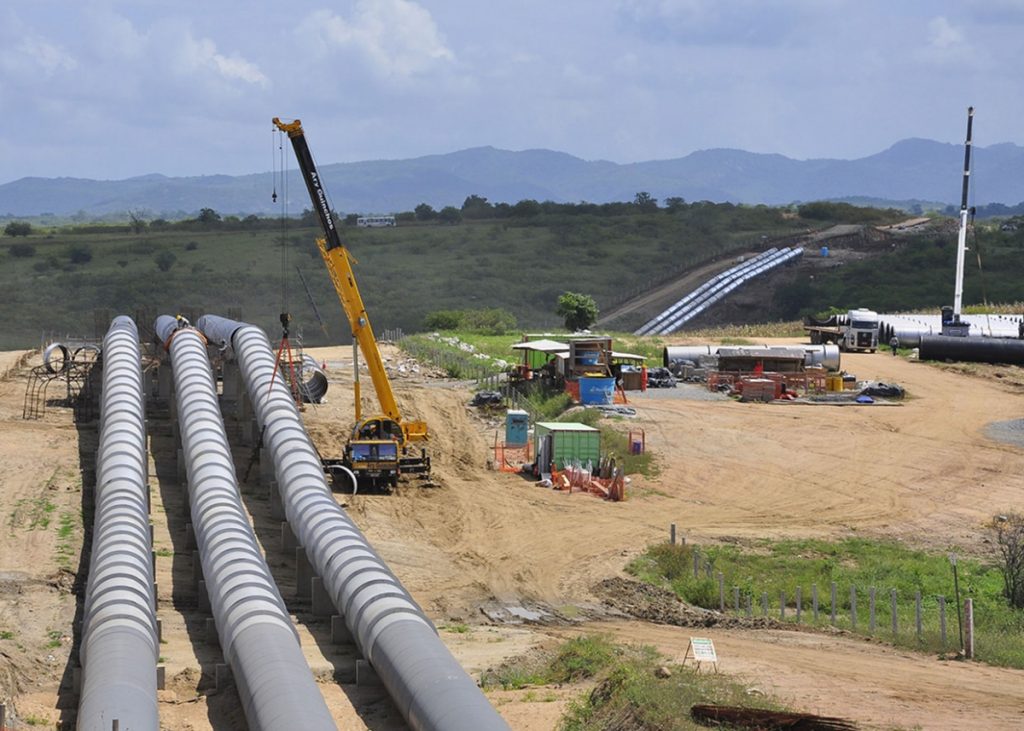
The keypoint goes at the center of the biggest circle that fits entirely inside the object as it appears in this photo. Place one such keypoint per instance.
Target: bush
(22, 251)
(1009, 530)
(165, 260)
(79, 253)
(191, 246)
(18, 228)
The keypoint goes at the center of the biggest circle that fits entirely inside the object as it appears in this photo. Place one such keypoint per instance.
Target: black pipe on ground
(976, 350)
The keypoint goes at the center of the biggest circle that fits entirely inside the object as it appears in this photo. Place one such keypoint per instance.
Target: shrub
(165, 260)
(22, 250)
(18, 228)
(79, 253)
(191, 246)
(1009, 530)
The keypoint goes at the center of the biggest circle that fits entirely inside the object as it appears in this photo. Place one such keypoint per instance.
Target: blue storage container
(595, 391)
(517, 427)
(588, 357)
(824, 251)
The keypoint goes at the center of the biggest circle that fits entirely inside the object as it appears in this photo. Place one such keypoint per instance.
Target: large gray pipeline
(430, 689)
(120, 644)
(256, 634)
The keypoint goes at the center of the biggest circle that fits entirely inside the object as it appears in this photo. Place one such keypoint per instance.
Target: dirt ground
(924, 472)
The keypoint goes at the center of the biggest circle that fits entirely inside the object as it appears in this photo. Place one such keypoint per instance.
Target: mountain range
(912, 169)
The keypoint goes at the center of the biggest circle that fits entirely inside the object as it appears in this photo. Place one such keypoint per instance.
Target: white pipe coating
(120, 645)
(259, 642)
(427, 684)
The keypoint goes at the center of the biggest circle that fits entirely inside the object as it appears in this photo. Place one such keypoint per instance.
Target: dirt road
(924, 472)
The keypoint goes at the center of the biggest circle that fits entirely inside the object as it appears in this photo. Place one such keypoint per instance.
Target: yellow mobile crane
(379, 448)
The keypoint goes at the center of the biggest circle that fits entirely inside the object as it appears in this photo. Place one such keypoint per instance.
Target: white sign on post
(701, 649)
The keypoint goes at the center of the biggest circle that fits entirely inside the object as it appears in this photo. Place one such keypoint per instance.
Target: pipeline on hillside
(120, 642)
(256, 634)
(427, 684)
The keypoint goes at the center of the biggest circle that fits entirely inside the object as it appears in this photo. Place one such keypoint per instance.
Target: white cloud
(34, 54)
(398, 38)
(201, 54)
(942, 34)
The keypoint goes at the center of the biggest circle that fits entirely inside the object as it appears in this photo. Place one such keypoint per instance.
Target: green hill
(73, 280)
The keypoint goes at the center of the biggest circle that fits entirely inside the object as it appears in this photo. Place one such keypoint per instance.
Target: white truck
(857, 330)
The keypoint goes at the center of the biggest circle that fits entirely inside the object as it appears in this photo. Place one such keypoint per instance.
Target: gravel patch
(682, 392)
(1009, 432)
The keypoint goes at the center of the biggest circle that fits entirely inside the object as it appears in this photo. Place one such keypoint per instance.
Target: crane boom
(339, 265)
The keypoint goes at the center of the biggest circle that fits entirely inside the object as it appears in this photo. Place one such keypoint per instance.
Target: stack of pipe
(120, 642)
(427, 684)
(256, 634)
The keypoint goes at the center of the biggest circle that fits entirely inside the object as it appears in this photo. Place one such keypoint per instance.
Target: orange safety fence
(577, 479)
(511, 457)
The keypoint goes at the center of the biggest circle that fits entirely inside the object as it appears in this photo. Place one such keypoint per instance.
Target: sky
(109, 89)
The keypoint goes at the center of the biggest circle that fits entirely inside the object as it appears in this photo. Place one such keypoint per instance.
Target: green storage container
(569, 443)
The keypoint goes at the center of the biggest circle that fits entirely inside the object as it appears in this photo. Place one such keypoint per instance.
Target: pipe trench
(427, 684)
(256, 634)
(120, 644)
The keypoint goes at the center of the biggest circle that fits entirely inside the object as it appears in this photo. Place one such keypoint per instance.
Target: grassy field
(70, 280)
(632, 688)
(783, 566)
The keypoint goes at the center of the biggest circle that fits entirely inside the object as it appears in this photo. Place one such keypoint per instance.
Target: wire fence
(925, 622)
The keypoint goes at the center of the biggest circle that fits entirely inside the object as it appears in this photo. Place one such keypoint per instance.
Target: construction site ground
(481, 550)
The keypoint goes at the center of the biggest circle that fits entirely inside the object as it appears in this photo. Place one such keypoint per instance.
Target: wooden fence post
(764, 602)
(814, 601)
(672, 534)
(799, 603)
(853, 607)
(782, 604)
(696, 564)
(736, 598)
(750, 605)
(721, 592)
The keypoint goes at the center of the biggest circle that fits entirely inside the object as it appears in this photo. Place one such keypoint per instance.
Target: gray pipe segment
(256, 634)
(429, 687)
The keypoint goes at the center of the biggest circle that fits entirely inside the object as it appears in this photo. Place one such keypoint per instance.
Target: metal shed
(563, 443)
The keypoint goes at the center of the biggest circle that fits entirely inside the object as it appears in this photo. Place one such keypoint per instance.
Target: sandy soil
(923, 472)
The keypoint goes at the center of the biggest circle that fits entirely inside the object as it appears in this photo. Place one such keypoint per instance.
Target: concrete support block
(211, 631)
(288, 540)
(323, 605)
(203, 598)
(366, 676)
(340, 633)
(222, 677)
(76, 680)
(164, 381)
(303, 573)
(159, 627)
(266, 468)
(276, 508)
(190, 537)
(161, 676)
(182, 471)
(197, 569)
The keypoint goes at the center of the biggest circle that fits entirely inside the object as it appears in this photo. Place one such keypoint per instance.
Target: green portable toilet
(570, 442)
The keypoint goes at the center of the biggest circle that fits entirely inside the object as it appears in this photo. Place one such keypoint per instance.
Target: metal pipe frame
(427, 684)
(256, 634)
(120, 642)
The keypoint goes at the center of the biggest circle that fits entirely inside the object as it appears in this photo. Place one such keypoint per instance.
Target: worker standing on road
(894, 343)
